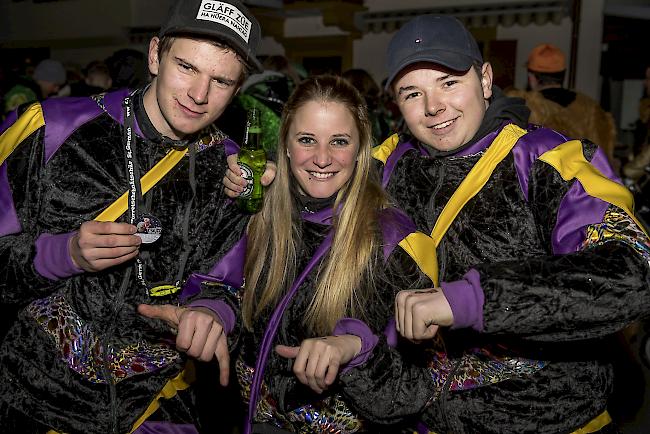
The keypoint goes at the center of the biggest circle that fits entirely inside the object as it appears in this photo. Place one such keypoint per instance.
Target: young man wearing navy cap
(530, 240)
(92, 350)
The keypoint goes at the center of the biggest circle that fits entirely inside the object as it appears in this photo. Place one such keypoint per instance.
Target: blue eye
(305, 140)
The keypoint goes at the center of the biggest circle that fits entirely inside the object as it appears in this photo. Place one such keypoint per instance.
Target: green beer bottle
(252, 161)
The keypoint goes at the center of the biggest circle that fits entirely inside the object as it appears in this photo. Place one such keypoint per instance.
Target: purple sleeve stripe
(577, 210)
(231, 147)
(392, 160)
(528, 148)
(353, 326)
(62, 117)
(52, 259)
(466, 299)
(9, 223)
(221, 309)
(229, 271)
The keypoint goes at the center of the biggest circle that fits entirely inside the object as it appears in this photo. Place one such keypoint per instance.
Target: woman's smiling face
(322, 146)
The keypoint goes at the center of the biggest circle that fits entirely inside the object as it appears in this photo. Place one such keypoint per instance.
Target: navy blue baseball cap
(439, 39)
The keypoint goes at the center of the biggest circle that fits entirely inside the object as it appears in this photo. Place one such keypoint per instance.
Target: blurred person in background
(363, 81)
(567, 111)
(128, 69)
(48, 78)
(268, 91)
(96, 79)
(637, 170)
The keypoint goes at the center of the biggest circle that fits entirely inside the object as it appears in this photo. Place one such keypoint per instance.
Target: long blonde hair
(344, 281)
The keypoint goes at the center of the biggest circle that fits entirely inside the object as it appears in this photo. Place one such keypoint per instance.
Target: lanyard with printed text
(148, 227)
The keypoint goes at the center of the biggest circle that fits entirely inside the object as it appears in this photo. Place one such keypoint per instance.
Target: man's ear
(154, 62)
(486, 80)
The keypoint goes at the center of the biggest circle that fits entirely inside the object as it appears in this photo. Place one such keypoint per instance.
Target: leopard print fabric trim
(477, 368)
(618, 226)
(331, 415)
(210, 136)
(81, 350)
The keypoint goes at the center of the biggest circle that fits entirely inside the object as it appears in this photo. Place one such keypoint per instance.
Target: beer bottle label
(247, 174)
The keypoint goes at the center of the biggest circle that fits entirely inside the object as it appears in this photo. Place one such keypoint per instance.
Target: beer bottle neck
(253, 139)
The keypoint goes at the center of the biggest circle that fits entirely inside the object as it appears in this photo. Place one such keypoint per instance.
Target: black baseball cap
(227, 20)
(438, 39)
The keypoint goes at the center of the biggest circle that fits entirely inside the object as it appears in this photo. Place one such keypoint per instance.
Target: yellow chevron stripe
(383, 151)
(24, 126)
(422, 247)
(151, 178)
(569, 161)
(476, 178)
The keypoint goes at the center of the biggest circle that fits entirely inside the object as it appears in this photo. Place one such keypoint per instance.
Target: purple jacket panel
(9, 121)
(62, 117)
(231, 147)
(529, 148)
(577, 209)
(165, 428)
(9, 223)
(395, 226)
(113, 104)
(393, 158)
(229, 271)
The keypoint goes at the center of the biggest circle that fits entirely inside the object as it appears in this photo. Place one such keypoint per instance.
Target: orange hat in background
(546, 58)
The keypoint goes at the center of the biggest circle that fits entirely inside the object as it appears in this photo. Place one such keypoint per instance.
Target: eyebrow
(226, 80)
(439, 79)
(405, 89)
(304, 133)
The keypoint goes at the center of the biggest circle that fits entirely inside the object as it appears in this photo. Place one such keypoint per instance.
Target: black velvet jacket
(79, 358)
(541, 302)
(287, 403)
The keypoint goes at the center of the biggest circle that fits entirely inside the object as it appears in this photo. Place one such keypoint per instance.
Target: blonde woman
(322, 268)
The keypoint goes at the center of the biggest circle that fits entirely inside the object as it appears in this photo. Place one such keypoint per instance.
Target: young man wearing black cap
(534, 250)
(79, 358)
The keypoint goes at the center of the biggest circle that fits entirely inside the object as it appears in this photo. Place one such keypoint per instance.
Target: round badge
(148, 228)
